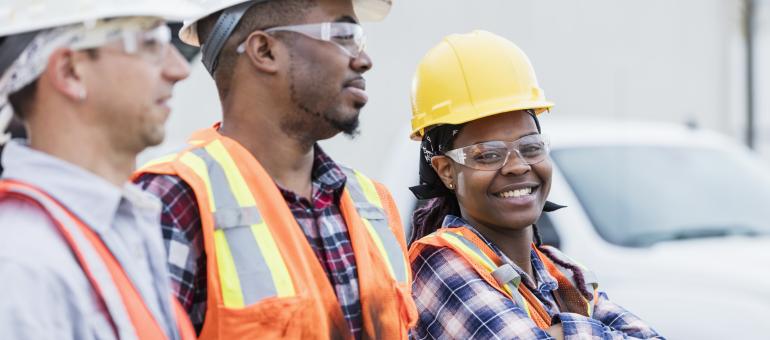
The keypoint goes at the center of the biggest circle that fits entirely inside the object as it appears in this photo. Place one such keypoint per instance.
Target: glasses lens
(348, 36)
(153, 43)
(495, 154)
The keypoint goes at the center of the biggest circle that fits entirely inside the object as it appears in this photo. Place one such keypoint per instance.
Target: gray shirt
(44, 293)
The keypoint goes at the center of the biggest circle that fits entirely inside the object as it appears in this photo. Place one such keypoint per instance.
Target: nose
(515, 165)
(175, 67)
(362, 63)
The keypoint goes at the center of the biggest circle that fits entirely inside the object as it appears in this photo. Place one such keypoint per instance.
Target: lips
(357, 87)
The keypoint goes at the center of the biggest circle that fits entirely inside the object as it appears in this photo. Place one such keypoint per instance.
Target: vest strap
(363, 192)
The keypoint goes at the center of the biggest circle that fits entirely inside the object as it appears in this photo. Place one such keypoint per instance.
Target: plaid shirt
(320, 220)
(455, 302)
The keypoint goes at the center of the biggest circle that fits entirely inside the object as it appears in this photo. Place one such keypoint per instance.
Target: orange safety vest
(263, 279)
(129, 316)
(507, 281)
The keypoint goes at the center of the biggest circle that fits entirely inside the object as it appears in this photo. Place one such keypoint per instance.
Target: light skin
(99, 111)
(290, 91)
(507, 221)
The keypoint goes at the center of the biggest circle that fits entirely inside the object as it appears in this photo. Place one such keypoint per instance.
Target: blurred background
(660, 137)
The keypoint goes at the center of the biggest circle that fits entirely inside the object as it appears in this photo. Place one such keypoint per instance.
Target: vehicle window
(640, 195)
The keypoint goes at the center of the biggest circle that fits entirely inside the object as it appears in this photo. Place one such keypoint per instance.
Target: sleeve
(609, 321)
(183, 238)
(453, 301)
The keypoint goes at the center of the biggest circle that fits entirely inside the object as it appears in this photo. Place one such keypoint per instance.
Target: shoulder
(441, 263)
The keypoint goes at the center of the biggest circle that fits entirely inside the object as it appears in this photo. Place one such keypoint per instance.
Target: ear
(260, 49)
(63, 74)
(443, 167)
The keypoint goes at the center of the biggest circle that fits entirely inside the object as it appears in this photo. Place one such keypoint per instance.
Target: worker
(81, 254)
(267, 236)
(480, 270)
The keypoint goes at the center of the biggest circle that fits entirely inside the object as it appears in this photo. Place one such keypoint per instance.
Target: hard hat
(471, 76)
(18, 16)
(367, 10)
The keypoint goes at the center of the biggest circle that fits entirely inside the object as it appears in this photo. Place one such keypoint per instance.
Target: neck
(514, 243)
(286, 159)
(89, 151)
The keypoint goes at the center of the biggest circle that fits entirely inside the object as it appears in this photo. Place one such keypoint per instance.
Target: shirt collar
(545, 282)
(326, 171)
(89, 196)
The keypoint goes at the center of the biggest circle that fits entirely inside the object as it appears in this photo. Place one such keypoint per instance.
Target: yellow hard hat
(471, 76)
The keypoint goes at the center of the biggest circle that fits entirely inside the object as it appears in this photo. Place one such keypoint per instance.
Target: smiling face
(509, 198)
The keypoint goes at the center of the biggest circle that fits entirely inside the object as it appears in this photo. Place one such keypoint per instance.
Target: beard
(320, 110)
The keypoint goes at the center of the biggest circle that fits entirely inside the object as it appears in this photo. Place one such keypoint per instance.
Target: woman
(479, 268)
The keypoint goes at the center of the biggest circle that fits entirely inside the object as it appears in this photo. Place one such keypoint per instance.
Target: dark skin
(287, 94)
(507, 221)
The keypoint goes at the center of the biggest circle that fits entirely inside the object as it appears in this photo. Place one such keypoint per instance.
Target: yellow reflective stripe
(367, 186)
(380, 246)
(486, 262)
(199, 167)
(228, 275)
(164, 159)
(284, 285)
(238, 185)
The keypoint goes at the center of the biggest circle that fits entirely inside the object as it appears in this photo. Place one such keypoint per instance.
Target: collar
(87, 195)
(326, 171)
(543, 280)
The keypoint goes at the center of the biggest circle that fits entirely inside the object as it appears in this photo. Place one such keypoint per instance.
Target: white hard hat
(18, 16)
(366, 10)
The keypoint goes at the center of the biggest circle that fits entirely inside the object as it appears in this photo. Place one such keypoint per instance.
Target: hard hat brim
(169, 10)
(462, 117)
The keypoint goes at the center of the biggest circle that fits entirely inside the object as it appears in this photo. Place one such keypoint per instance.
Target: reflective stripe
(467, 247)
(96, 267)
(164, 159)
(369, 206)
(246, 250)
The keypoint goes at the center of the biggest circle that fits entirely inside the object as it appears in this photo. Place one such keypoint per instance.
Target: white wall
(621, 59)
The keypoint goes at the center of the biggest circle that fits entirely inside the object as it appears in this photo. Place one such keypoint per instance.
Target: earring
(451, 186)
(82, 95)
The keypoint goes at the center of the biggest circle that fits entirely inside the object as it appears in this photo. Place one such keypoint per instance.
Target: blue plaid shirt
(454, 302)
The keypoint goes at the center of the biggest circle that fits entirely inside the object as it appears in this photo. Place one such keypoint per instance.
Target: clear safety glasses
(150, 44)
(349, 37)
(494, 155)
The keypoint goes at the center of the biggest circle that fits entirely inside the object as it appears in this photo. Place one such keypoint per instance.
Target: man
(268, 237)
(81, 256)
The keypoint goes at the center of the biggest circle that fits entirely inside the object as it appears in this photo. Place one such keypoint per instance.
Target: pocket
(272, 318)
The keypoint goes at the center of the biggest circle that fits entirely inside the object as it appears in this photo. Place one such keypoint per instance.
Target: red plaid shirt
(320, 220)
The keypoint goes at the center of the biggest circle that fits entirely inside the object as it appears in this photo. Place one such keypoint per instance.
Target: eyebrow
(346, 18)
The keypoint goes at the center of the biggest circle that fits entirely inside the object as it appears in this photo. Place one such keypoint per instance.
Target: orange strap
(536, 310)
(566, 291)
(145, 325)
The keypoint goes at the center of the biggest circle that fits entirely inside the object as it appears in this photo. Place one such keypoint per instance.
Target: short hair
(262, 15)
(21, 100)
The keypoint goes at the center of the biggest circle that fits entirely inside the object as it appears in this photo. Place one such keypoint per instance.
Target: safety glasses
(349, 37)
(494, 155)
(151, 44)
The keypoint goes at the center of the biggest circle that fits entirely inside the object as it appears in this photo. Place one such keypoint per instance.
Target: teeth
(515, 193)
